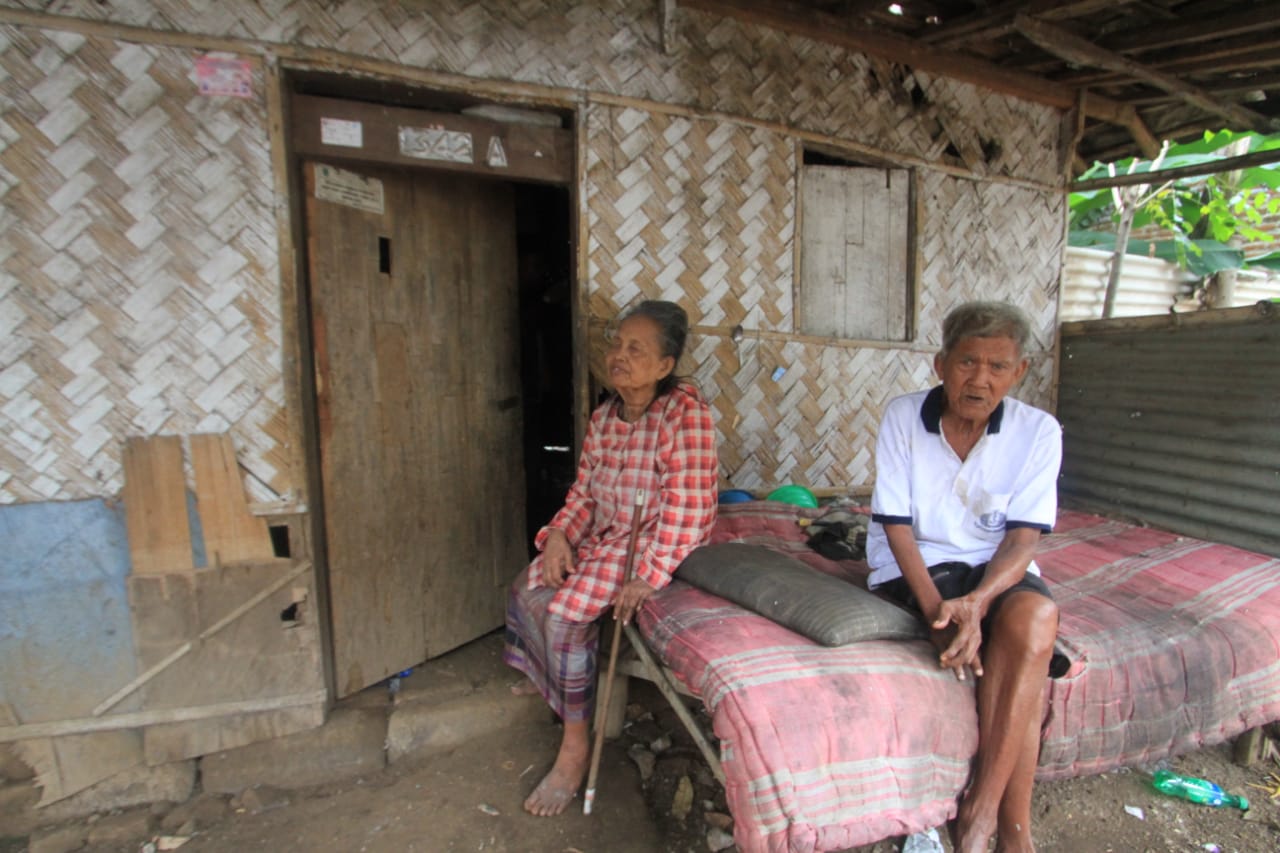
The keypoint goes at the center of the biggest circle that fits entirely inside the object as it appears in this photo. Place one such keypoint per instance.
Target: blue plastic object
(735, 496)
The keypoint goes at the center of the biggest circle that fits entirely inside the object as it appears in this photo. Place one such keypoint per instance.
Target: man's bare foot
(970, 834)
(1015, 838)
(524, 687)
(558, 788)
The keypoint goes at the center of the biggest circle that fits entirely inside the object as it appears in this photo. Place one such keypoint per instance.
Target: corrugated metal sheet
(1176, 421)
(1147, 286)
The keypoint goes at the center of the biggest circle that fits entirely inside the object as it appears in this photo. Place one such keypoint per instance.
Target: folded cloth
(825, 609)
(840, 534)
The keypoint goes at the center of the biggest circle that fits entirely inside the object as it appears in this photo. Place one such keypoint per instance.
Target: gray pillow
(823, 608)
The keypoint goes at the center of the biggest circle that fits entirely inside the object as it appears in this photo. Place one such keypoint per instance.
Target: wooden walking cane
(590, 795)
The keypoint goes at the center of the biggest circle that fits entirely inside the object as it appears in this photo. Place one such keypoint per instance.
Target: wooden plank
(1216, 167)
(236, 647)
(231, 533)
(136, 719)
(155, 502)
(522, 151)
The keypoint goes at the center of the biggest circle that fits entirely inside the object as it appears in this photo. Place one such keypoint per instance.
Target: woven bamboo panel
(668, 205)
(698, 212)
(612, 46)
(139, 261)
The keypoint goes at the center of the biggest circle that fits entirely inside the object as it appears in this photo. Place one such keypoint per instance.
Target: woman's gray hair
(673, 331)
(986, 320)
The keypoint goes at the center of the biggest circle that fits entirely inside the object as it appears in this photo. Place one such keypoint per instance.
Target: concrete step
(444, 705)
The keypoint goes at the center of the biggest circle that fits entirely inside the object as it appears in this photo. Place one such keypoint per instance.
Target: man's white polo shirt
(960, 510)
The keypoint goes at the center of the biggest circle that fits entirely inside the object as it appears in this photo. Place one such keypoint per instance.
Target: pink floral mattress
(1175, 643)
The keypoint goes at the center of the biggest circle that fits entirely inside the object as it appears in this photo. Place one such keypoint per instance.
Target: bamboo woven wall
(613, 47)
(160, 313)
(701, 212)
(138, 247)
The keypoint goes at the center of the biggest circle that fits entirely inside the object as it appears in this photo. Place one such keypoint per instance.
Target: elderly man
(966, 481)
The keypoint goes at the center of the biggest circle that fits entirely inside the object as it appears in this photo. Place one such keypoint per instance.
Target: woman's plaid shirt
(670, 452)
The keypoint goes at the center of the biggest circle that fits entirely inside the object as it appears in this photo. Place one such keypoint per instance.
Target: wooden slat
(231, 533)
(155, 502)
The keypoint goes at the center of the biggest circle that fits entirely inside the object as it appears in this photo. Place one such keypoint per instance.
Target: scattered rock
(488, 809)
(202, 812)
(636, 711)
(18, 808)
(682, 802)
(58, 840)
(171, 842)
(260, 798)
(12, 767)
(120, 829)
(718, 839)
(189, 828)
(660, 744)
(719, 820)
(644, 760)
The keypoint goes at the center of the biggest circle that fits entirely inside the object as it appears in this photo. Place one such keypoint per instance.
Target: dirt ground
(469, 800)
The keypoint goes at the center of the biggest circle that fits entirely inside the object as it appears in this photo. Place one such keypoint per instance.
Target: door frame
(307, 528)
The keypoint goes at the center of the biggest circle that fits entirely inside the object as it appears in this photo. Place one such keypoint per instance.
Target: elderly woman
(966, 481)
(655, 433)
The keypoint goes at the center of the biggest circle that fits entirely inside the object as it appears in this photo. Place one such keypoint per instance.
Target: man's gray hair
(986, 320)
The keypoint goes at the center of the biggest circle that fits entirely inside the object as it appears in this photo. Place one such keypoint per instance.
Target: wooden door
(416, 336)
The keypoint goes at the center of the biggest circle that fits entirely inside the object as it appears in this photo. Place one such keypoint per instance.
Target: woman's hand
(963, 616)
(557, 558)
(633, 594)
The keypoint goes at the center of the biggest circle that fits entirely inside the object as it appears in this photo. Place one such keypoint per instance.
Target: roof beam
(1072, 48)
(1215, 167)
(1235, 55)
(1219, 88)
(1192, 32)
(818, 26)
(985, 26)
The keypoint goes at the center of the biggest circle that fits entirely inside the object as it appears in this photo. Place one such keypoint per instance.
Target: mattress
(1175, 644)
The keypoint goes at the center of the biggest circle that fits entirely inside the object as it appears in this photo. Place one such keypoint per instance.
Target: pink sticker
(219, 76)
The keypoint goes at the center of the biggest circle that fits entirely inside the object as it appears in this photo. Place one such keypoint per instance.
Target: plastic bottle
(1196, 790)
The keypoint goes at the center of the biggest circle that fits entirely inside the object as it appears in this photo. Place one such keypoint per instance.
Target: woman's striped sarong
(559, 656)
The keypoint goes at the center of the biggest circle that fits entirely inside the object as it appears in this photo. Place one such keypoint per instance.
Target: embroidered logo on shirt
(991, 521)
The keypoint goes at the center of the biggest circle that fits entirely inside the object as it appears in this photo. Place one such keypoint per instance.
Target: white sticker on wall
(341, 132)
(347, 188)
(497, 158)
(436, 143)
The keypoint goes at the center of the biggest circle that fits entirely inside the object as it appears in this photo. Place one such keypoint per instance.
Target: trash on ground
(923, 842)
(488, 809)
(1136, 812)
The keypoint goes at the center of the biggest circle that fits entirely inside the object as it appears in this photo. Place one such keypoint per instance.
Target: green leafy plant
(1204, 215)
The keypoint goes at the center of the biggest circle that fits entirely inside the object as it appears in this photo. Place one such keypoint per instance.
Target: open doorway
(544, 248)
(438, 301)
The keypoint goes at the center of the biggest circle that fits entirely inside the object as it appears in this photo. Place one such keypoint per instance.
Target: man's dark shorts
(954, 580)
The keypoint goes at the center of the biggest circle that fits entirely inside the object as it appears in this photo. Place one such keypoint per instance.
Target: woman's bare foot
(558, 788)
(524, 687)
(554, 793)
